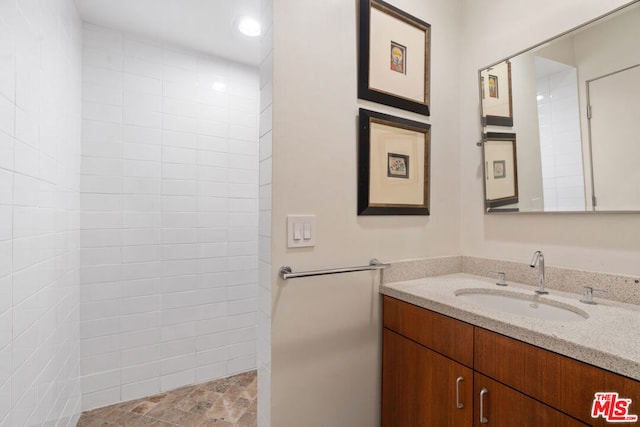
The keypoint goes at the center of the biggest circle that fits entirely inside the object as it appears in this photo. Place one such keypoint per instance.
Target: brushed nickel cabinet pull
(483, 419)
(459, 404)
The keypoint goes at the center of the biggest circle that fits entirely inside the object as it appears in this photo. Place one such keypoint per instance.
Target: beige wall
(601, 242)
(326, 330)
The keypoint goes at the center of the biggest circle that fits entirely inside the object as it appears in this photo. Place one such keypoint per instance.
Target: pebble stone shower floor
(227, 402)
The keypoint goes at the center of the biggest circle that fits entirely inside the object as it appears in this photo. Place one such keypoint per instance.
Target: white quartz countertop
(609, 338)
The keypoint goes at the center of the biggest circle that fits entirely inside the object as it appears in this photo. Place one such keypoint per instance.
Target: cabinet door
(501, 406)
(421, 388)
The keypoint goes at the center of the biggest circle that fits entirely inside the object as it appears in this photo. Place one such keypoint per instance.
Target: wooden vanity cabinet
(424, 354)
(423, 384)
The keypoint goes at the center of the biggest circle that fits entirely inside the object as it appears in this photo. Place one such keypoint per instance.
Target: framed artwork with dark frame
(501, 169)
(495, 94)
(393, 165)
(393, 57)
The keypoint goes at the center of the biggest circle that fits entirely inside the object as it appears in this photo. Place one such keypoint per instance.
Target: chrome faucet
(539, 258)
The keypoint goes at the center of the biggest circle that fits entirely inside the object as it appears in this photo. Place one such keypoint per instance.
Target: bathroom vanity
(447, 362)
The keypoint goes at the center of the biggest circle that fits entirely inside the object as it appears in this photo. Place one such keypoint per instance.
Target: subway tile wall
(169, 221)
(560, 141)
(40, 69)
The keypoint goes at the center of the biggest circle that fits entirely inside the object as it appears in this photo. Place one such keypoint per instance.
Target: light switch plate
(306, 227)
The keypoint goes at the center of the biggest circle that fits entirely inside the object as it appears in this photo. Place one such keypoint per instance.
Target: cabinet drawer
(559, 381)
(443, 334)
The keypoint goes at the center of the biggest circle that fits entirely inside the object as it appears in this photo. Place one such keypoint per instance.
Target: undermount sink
(522, 304)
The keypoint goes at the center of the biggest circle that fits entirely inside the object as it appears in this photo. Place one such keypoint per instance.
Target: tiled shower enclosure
(169, 221)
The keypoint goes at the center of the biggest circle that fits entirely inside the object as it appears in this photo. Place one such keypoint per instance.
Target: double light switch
(301, 231)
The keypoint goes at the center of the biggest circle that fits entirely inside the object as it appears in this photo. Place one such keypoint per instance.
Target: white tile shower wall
(169, 238)
(560, 144)
(264, 289)
(40, 68)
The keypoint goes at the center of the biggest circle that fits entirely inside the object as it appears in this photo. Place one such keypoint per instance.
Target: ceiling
(204, 25)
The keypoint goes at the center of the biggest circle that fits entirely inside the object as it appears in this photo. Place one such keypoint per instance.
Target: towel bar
(374, 264)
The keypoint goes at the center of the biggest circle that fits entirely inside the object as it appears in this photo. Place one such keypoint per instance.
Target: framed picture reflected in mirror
(495, 93)
(500, 169)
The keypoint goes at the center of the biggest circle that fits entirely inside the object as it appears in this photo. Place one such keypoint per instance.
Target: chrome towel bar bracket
(374, 264)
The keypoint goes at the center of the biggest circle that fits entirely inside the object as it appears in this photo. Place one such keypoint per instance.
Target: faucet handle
(501, 276)
(587, 294)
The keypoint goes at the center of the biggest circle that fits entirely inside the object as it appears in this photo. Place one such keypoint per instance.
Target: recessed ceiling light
(249, 27)
(219, 86)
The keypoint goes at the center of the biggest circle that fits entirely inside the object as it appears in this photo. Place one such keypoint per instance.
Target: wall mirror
(571, 106)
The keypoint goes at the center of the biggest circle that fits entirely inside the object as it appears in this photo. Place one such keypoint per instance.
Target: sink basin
(522, 304)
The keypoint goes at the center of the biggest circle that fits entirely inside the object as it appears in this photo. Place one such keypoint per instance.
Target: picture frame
(501, 169)
(495, 95)
(394, 57)
(393, 165)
